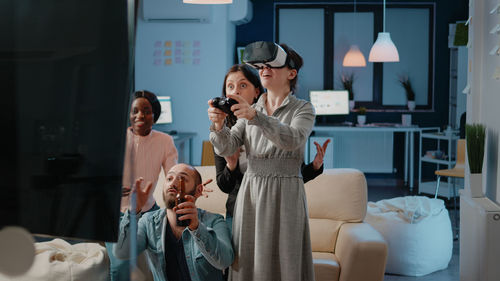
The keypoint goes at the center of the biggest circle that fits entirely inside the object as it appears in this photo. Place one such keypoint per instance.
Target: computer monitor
(330, 102)
(166, 110)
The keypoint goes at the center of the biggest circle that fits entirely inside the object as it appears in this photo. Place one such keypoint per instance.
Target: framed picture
(239, 51)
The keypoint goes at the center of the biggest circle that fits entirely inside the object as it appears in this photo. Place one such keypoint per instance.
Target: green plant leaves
(475, 136)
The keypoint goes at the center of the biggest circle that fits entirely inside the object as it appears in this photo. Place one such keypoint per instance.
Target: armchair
(344, 247)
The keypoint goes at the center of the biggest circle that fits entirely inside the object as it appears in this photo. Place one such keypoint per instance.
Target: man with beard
(196, 252)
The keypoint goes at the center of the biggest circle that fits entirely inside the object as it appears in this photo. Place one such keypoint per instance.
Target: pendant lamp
(207, 1)
(354, 57)
(383, 50)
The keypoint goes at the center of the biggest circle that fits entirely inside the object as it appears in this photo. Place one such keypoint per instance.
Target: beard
(170, 203)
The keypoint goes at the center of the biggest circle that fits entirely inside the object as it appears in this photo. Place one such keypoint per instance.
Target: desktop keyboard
(344, 124)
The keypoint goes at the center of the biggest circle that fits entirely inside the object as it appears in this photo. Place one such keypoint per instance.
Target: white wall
(484, 99)
(461, 84)
(189, 84)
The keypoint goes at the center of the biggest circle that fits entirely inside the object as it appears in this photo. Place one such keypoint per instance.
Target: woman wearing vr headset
(241, 80)
(270, 224)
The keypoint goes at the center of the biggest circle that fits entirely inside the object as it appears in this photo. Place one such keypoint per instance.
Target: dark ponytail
(297, 63)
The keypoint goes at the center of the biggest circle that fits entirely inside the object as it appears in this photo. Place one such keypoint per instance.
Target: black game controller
(224, 104)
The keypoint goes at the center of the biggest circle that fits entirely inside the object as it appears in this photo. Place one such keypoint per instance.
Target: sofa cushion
(326, 266)
(324, 234)
(337, 194)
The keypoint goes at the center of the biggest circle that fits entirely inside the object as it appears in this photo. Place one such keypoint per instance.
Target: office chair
(456, 172)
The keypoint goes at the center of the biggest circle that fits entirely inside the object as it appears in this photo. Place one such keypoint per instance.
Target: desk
(409, 147)
(180, 140)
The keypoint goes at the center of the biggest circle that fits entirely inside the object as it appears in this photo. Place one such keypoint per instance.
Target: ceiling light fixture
(354, 57)
(383, 50)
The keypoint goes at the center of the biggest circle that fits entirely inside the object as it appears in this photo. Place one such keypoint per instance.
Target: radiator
(479, 239)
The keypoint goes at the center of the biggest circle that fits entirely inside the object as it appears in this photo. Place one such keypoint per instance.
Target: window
(310, 45)
(325, 32)
(353, 28)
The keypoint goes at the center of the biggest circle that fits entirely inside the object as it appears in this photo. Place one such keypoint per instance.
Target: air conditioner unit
(241, 11)
(175, 11)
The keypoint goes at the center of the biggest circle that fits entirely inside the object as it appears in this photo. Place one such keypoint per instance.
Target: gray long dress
(270, 226)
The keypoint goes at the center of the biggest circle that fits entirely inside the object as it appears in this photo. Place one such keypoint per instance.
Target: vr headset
(262, 54)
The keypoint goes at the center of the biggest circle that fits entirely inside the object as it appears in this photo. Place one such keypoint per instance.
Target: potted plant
(474, 136)
(362, 115)
(410, 94)
(347, 80)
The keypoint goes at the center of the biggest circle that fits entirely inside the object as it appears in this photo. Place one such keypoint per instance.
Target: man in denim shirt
(197, 252)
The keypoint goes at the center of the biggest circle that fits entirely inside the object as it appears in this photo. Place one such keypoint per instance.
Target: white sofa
(344, 247)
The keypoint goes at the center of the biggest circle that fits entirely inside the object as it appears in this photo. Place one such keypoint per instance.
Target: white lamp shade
(383, 50)
(354, 58)
(207, 1)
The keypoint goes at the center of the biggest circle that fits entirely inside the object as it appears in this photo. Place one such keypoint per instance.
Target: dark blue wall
(447, 11)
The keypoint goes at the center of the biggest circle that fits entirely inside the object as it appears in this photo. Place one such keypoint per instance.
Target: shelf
(440, 136)
(437, 138)
(436, 161)
(429, 187)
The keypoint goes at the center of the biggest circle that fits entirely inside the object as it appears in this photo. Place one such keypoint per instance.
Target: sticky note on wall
(496, 74)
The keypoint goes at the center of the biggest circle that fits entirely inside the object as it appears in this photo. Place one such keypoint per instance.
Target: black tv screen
(66, 81)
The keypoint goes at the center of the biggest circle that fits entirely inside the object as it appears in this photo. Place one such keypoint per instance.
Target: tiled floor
(384, 188)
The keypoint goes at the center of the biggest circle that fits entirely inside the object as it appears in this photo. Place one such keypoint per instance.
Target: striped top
(147, 154)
